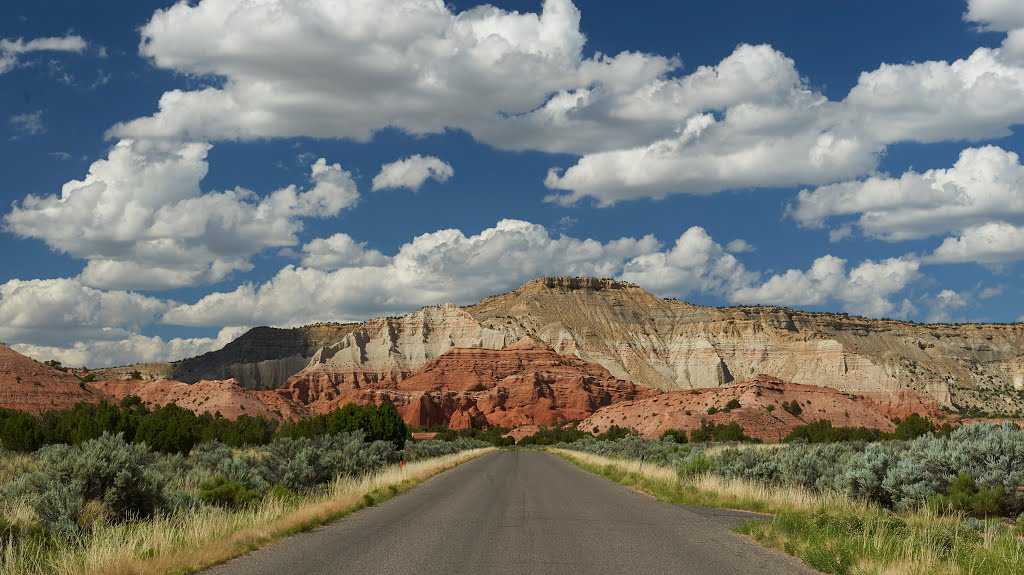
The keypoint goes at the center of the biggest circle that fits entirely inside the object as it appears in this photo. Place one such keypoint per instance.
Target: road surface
(521, 512)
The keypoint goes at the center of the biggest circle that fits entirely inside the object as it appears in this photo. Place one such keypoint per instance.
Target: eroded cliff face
(525, 383)
(658, 343)
(668, 344)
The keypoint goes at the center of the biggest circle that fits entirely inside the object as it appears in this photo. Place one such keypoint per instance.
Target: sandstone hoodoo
(526, 383)
(653, 342)
(764, 407)
(28, 385)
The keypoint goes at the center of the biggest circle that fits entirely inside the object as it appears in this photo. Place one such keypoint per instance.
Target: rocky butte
(565, 349)
(657, 343)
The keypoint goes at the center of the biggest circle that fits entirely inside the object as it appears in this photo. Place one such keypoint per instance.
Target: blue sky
(175, 174)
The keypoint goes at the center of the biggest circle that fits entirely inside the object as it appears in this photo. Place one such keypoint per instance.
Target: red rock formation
(761, 413)
(525, 383)
(227, 397)
(28, 385)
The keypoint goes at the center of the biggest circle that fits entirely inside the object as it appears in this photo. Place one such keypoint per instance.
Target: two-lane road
(521, 512)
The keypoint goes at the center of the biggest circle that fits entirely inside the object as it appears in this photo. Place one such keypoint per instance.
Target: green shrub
(793, 407)
(821, 431)
(108, 469)
(303, 463)
(674, 435)
(223, 492)
(20, 431)
(376, 422)
(913, 427)
(965, 496)
(733, 404)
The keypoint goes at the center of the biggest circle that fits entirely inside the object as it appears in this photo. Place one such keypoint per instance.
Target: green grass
(829, 532)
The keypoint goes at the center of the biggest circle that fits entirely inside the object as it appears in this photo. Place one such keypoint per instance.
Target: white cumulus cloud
(643, 126)
(446, 265)
(141, 220)
(944, 304)
(54, 311)
(340, 251)
(984, 184)
(412, 172)
(866, 289)
(134, 348)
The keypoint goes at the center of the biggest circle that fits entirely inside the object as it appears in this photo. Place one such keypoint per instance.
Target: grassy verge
(188, 542)
(829, 532)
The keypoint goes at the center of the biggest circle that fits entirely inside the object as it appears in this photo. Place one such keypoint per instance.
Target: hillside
(653, 342)
(762, 413)
(28, 385)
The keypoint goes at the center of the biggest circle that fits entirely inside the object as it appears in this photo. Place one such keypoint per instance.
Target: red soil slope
(760, 414)
(28, 385)
(227, 397)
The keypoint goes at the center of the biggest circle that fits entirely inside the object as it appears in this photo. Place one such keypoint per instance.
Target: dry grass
(829, 531)
(188, 542)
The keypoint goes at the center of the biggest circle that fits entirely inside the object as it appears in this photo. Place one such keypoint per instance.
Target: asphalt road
(521, 512)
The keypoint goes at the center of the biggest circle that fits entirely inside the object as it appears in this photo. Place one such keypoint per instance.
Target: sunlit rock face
(652, 342)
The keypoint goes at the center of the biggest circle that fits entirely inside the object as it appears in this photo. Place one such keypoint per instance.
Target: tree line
(173, 429)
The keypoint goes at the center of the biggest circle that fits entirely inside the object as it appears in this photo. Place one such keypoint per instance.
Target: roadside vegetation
(173, 429)
(947, 501)
(106, 500)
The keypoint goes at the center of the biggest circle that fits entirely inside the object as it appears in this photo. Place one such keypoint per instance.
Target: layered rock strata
(659, 343)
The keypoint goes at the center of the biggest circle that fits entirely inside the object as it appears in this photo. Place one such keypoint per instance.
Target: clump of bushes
(822, 431)
(665, 453)
(377, 422)
(721, 432)
(115, 474)
(223, 492)
(976, 469)
(438, 447)
(674, 435)
(303, 463)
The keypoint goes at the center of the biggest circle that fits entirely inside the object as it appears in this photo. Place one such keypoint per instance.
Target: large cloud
(521, 81)
(132, 348)
(866, 289)
(984, 184)
(55, 311)
(696, 263)
(991, 243)
(142, 222)
(446, 265)
(80, 325)
(359, 67)
(449, 265)
(980, 198)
